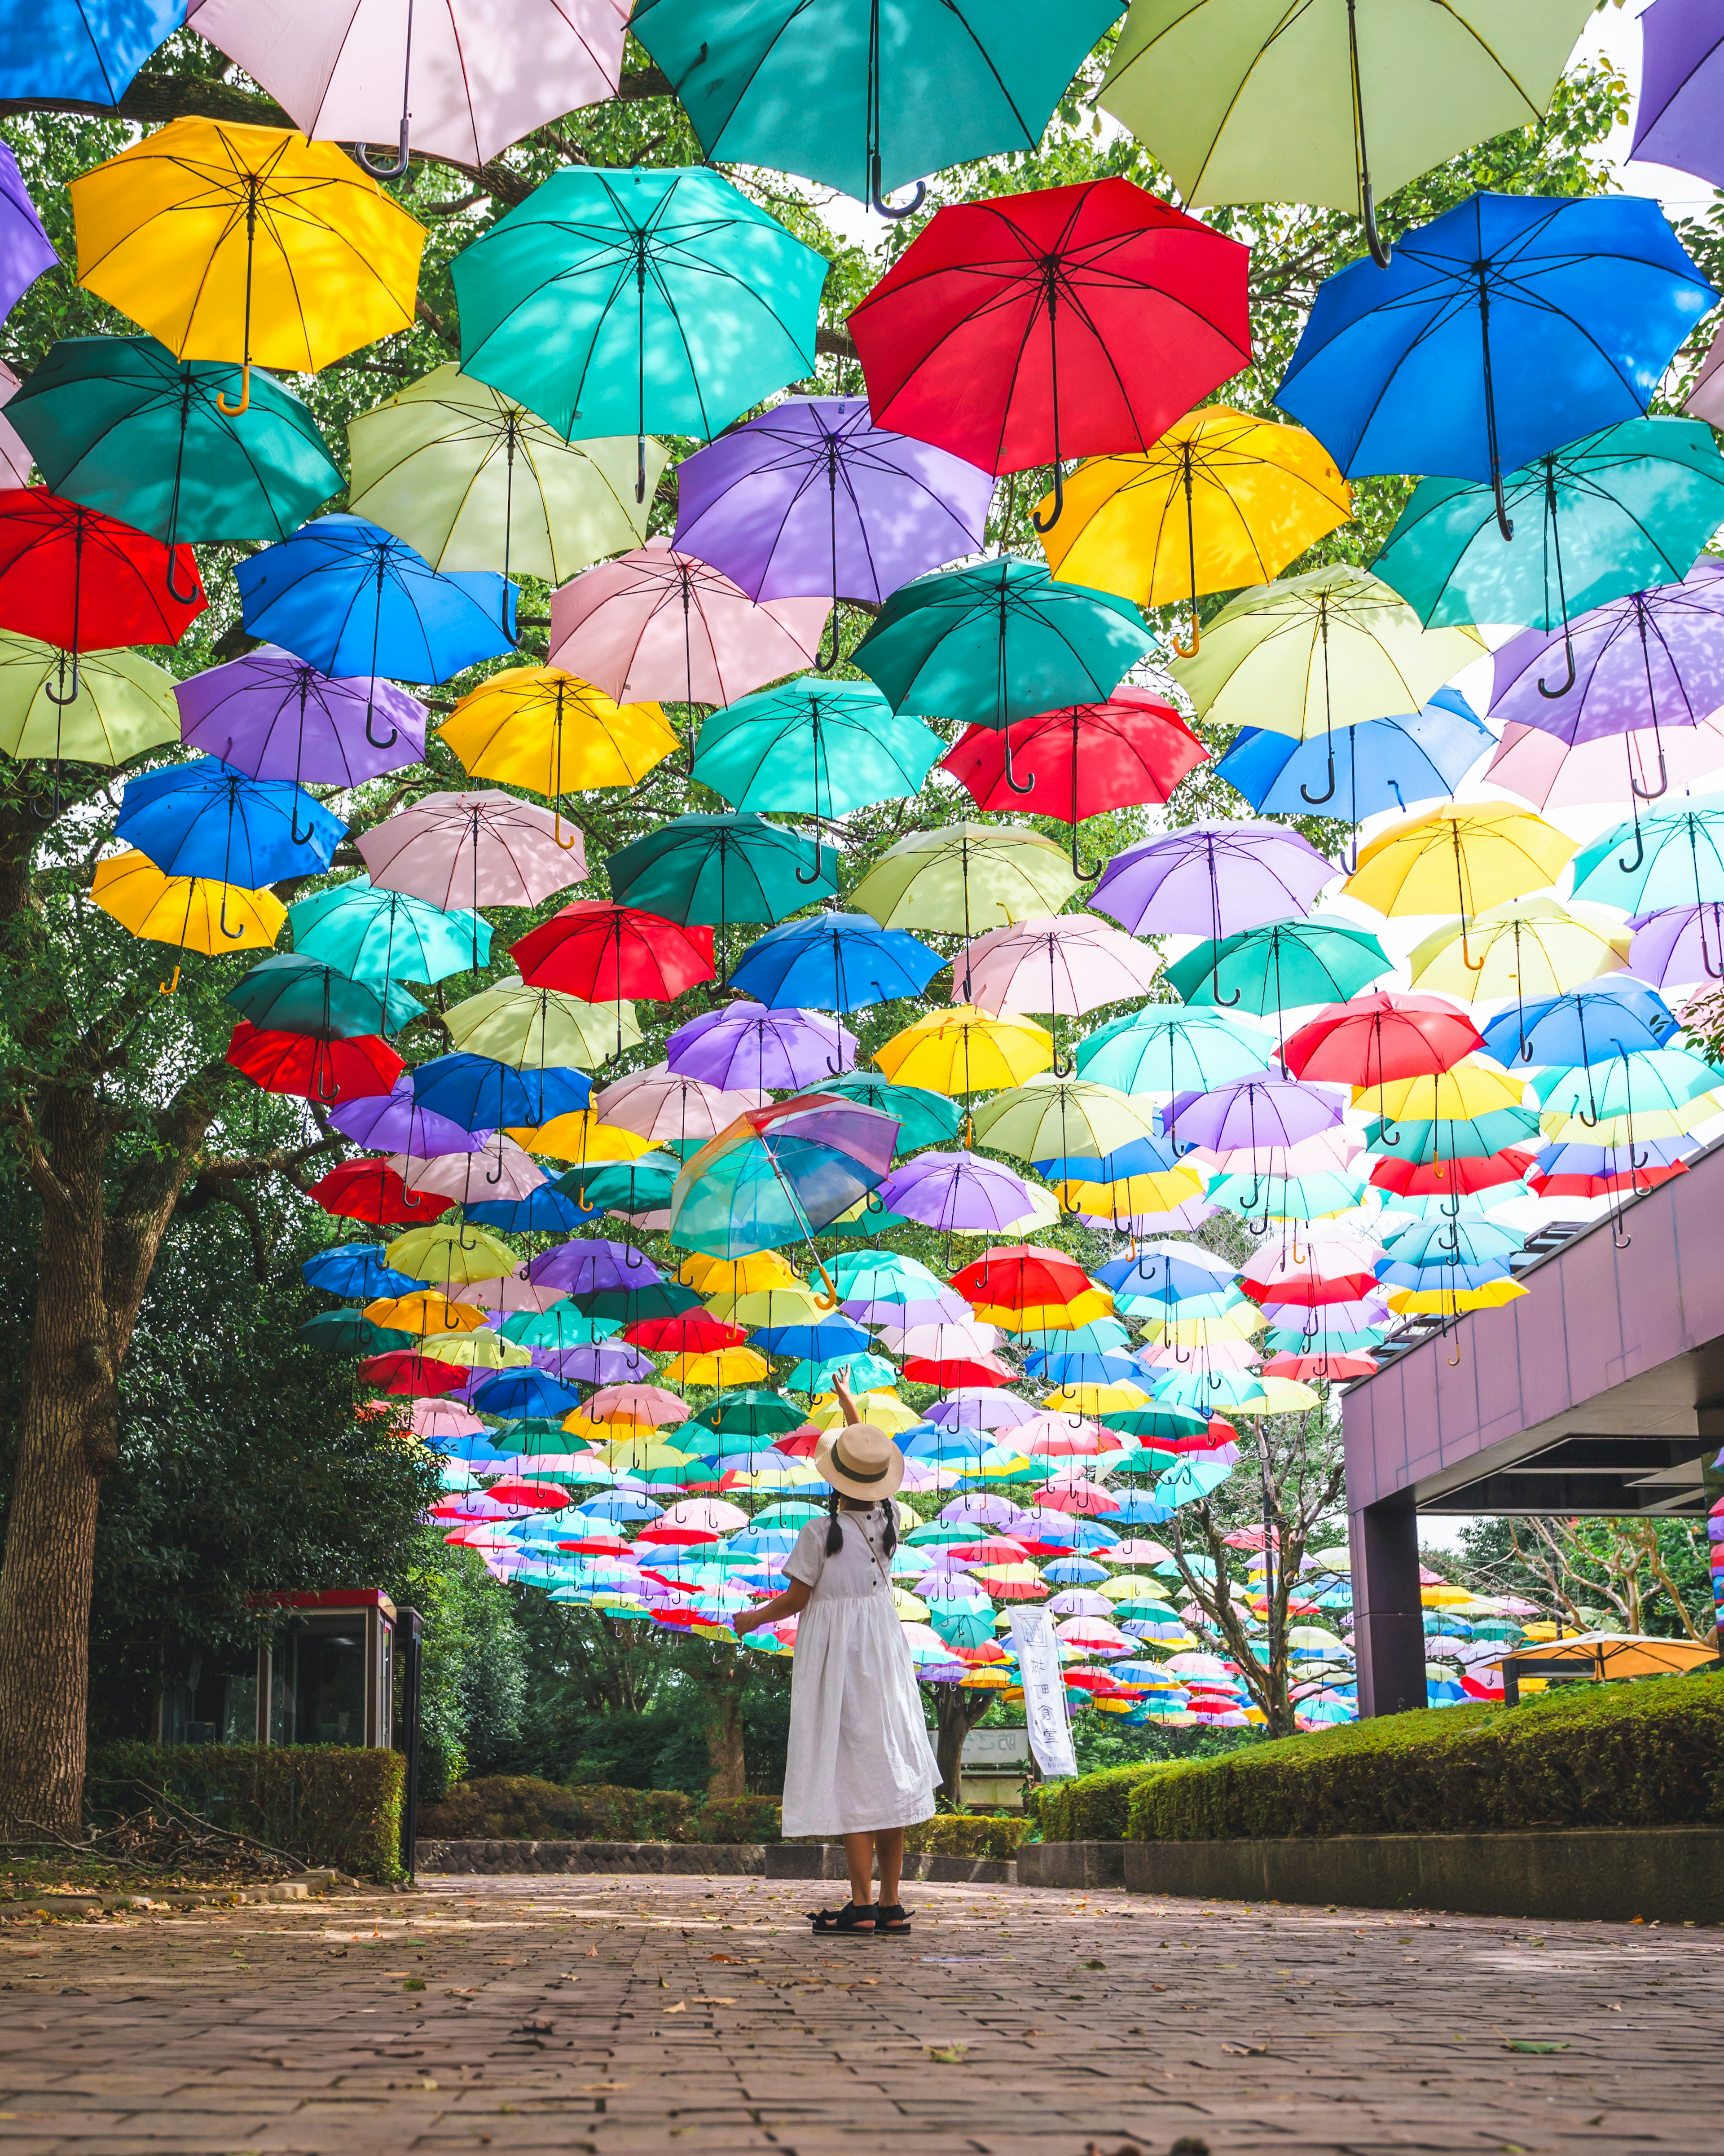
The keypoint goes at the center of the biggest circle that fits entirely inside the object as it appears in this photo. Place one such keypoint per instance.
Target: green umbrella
(375, 936)
(1458, 1137)
(997, 642)
(120, 424)
(967, 1624)
(352, 1333)
(289, 993)
(752, 1412)
(641, 1185)
(1288, 1197)
(530, 1433)
(787, 1514)
(715, 870)
(1142, 1423)
(1169, 1049)
(1281, 966)
(562, 1326)
(819, 748)
(1322, 102)
(924, 1118)
(659, 1299)
(867, 1374)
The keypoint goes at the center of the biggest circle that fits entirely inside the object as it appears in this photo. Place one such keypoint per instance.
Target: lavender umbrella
(391, 1123)
(1680, 84)
(607, 1362)
(1255, 1112)
(812, 499)
(746, 1045)
(1682, 944)
(275, 717)
(1212, 879)
(992, 1408)
(956, 1191)
(592, 1262)
(945, 1308)
(25, 250)
(977, 1509)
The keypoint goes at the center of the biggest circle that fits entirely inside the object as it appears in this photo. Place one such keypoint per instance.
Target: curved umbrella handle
(72, 696)
(1544, 688)
(1226, 1003)
(822, 664)
(233, 935)
(394, 735)
(1373, 238)
(386, 172)
(174, 592)
(1035, 520)
(1189, 650)
(1082, 873)
(1629, 867)
(885, 209)
(826, 1300)
(1663, 786)
(1466, 958)
(234, 411)
(1316, 800)
(818, 872)
(1505, 522)
(1028, 786)
(167, 987)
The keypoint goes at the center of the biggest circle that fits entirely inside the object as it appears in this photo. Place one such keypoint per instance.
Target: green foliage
(1094, 1808)
(1647, 1753)
(474, 1681)
(330, 1804)
(521, 1807)
(740, 1819)
(969, 1833)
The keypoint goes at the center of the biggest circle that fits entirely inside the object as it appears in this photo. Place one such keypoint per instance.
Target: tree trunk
(724, 1733)
(956, 1714)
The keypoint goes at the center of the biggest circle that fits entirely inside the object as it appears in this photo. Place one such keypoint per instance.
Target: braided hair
(835, 1528)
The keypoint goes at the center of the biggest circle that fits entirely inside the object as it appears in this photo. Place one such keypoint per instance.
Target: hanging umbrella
(119, 706)
(1588, 1024)
(276, 716)
(1678, 860)
(602, 953)
(1131, 748)
(964, 1050)
(372, 1190)
(16, 462)
(836, 961)
(385, 935)
(308, 1068)
(1211, 878)
(1440, 1142)
(243, 243)
(1508, 326)
(1294, 104)
(482, 849)
(1675, 121)
(536, 1027)
(121, 425)
(668, 1109)
(395, 1122)
(1451, 1179)
(1390, 1034)
(1069, 321)
(657, 623)
(1465, 858)
(471, 479)
(999, 641)
(205, 819)
(539, 728)
(1281, 966)
(25, 250)
(1167, 1048)
(1527, 947)
(965, 877)
(473, 76)
(637, 299)
(1384, 763)
(923, 1117)
(1223, 499)
(959, 1193)
(447, 1256)
(501, 1170)
(289, 992)
(630, 1187)
(482, 1094)
(811, 499)
(1560, 769)
(715, 870)
(186, 911)
(1676, 946)
(864, 99)
(777, 1173)
(1066, 964)
(1251, 1113)
(747, 1048)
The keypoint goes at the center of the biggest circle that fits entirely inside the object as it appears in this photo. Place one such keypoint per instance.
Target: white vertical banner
(1044, 1691)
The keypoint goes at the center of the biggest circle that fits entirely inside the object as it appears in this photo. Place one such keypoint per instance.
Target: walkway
(653, 2017)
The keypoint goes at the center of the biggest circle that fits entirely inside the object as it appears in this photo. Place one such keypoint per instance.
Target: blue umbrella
(1082, 1369)
(87, 49)
(481, 1095)
(832, 1337)
(1144, 1155)
(1385, 764)
(1590, 1024)
(357, 1269)
(835, 962)
(523, 1393)
(546, 1210)
(1509, 325)
(205, 819)
(350, 599)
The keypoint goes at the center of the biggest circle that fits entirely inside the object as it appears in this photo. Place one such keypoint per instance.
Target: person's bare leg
(889, 1842)
(859, 1861)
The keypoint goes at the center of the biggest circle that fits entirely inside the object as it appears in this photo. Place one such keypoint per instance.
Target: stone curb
(307, 1885)
(707, 1858)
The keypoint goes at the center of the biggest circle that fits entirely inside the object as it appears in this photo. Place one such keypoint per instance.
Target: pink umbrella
(15, 458)
(1068, 965)
(441, 1422)
(669, 1108)
(940, 1343)
(472, 849)
(656, 624)
(648, 1403)
(482, 74)
(1062, 1437)
(1085, 1499)
(1543, 769)
(709, 1514)
(503, 1172)
(513, 1292)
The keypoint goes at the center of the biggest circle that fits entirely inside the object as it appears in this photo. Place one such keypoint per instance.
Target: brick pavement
(699, 2017)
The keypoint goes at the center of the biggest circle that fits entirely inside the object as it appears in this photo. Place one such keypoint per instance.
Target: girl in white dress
(859, 1764)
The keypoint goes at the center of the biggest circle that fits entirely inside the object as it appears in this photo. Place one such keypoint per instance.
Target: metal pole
(410, 1635)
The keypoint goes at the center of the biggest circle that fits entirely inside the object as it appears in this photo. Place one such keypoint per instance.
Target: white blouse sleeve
(808, 1560)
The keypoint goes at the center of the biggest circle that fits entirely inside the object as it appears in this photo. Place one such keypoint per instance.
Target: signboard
(1049, 1726)
(995, 1751)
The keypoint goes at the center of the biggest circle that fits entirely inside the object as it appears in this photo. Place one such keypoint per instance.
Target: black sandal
(852, 1918)
(890, 1921)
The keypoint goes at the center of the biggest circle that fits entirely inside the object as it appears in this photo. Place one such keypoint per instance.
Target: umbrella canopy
(1389, 1034)
(205, 819)
(386, 935)
(965, 1050)
(1526, 948)
(1070, 321)
(963, 878)
(669, 1109)
(1679, 860)
(372, 1190)
(193, 912)
(1590, 1025)
(1675, 122)
(532, 1027)
(308, 1068)
(1280, 966)
(659, 623)
(714, 869)
(745, 1047)
(602, 952)
(238, 243)
(923, 1117)
(1384, 763)
(1254, 1112)
(119, 705)
(482, 849)
(812, 499)
(1163, 1049)
(822, 748)
(1211, 878)
(1463, 858)
(291, 993)
(473, 480)
(957, 1191)
(644, 299)
(1069, 964)
(482, 1094)
(278, 716)
(84, 581)
(1683, 944)
(778, 1173)
(546, 729)
(836, 961)
(395, 1122)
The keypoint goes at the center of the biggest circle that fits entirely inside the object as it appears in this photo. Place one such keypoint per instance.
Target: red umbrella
(1083, 760)
(1068, 322)
(534, 1497)
(1019, 1273)
(1453, 1179)
(322, 1070)
(372, 1190)
(1631, 1183)
(948, 1371)
(87, 582)
(602, 953)
(1334, 1367)
(695, 1332)
(1389, 1034)
(404, 1370)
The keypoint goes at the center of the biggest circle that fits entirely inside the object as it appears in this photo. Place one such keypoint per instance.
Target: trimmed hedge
(740, 1819)
(1094, 1807)
(330, 1804)
(1649, 1754)
(969, 1833)
(520, 1808)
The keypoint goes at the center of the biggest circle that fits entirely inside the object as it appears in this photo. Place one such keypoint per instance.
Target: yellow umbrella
(1094, 1400)
(789, 1303)
(642, 1454)
(884, 1409)
(424, 1311)
(539, 1028)
(1474, 1087)
(245, 243)
(1132, 1194)
(1560, 1128)
(477, 1351)
(1223, 500)
(720, 1368)
(964, 878)
(1460, 858)
(1132, 1587)
(188, 911)
(1283, 1396)
(1047, 1317)
(539, 728)
(737, 1275)
(1453, 1302)
(121, 704)
(451, 1254)
(580, 1137)
(1528, 948)
(1242, 1323)
(963, 1051)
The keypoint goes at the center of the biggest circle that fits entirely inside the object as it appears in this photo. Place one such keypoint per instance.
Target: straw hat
(861, 1459)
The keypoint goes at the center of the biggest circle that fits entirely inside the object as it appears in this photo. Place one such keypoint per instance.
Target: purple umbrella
(391, 1123)
(957, 1191)
(746, 1045)
(946, 1582)
(978, 1509)
(1336, 1316)
(1682, 83)
(1255, 1112)
(992, 1408)
(605, 1362)
(275, 717)
(25, 250)
(811, 499)
(1684, 943)
(1212, 879)
(945, 1308)
(591, 1263)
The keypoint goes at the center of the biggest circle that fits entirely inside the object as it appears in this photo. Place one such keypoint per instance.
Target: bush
(969, 1833)
(1094, 1807)
(1650, 1753)
(520, 1808)
(740, 1819)
(329, 1803)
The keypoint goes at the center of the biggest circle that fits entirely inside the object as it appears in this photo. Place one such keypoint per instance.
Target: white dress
(859, 1758)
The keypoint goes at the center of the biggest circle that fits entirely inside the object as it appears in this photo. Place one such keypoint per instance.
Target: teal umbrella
(1460, 1137)
(375, 936)
(352, 1333)
(866, 98)
(1167, 1048)
(1288, 1197)
(715, 870)
(1281, 966)
(120, 424)
(641, 1185)
(1630, 506)
(997, 642)
(289, 993)
(867, 1374)
(637, 300)
(923, 1118)
(1652, 1080)
(1144, 1423)
(967, 1624)
(750, 1412)
(817, 747)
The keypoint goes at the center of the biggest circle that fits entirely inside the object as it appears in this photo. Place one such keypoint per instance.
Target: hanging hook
(876, 194)
(1466, 959)
(1189, 650)
(633, 1261)
(174, 592)
(1316, 800)
(70, 698)
(386, 172)
(1035, 517)
(1505, 522)
(1544, 687)
(1082, 873)
(818, 872)
(394, 733)
(1663, 786)
(1629, 867)
(167, 987)
(322, 1065)
(233, 935)
(822, 664)
(1011, 775)
(1712, 972)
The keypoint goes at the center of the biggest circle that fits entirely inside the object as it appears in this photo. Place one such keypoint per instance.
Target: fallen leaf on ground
(1246, 2051)
(681, 2007)
(947, 2055)
(1519, 2044)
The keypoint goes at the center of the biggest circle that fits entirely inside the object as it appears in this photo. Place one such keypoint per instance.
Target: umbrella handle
(822, 664)
(72, 697)
(827, 1299)
(1544, 690)
(1316, 800)
(386, 172)
(1226, 1003)
(876, 194)
(1663, 786)
(1011, 776)
(1082, 873)
(174, 592)
(1035, 520)
(167, 987)
(1373, 238)
(233, 935)
(1505, 522)
(1629, 867)
(234, 411)
(817, 871)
